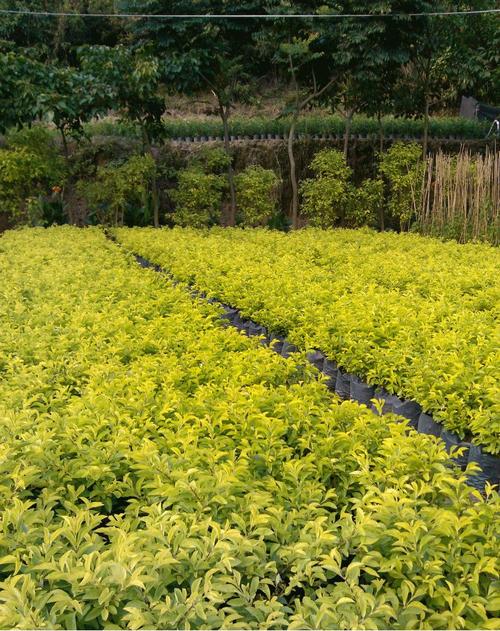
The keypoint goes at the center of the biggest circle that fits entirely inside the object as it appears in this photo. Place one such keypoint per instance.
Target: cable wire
(240, 16)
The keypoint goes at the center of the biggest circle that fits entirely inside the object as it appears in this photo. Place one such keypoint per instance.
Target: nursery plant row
(348, 386)
(327, 126)
(159, 470)
(413, 315)
(299, 136)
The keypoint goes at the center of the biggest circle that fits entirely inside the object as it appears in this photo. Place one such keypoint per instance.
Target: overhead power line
(240, 16)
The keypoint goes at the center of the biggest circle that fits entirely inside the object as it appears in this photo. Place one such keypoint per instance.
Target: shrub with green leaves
(410, 313)
(403, 168)
(325, 197)
(212, 160)
(118, 187)
(256, 190)
(159, 471)
(40, 141)
(366, 203)
(197, 198)
(30, 166)
(330, 197)
(200, 189)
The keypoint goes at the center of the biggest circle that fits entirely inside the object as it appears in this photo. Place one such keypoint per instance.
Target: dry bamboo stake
(461, 196)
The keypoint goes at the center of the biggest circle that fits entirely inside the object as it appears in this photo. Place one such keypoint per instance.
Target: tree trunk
(155, 198)
(293, 173)
(59, 35)
(65, 145)
(66, 159)
(380, 133)
(426, 128)
(224, 112)
(381, 218)
(347, 133)
(155, 194)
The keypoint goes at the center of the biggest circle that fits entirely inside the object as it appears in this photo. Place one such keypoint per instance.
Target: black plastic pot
(343, 384)
(229, 314)
(427, 425)
(256, 329)
(330, 369)
(361, 391)
(142, 262)
(490, 468)
(276, 342)
(316, 358)
(238, 322)
(287, 349)
(248, 325)
(391, 402)
(410, 410)
(452, 440)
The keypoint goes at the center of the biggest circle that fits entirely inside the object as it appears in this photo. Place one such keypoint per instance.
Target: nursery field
(414, 315)
(158, 470)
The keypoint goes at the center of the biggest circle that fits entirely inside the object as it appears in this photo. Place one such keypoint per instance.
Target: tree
(19, 88)
(200, 54)
(403, 168)
(448, 56)
(330, 198)
(424, 79)
(326, 195)
(70, 98)
(367, 54)
(475, 43)
(57, 39)
(29, 166)
(33, 90)
(133, 79)
(299, 53)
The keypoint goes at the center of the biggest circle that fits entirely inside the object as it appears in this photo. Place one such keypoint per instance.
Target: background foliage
(379, 76)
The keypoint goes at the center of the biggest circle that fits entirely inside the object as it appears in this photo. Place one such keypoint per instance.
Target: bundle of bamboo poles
(461, 196)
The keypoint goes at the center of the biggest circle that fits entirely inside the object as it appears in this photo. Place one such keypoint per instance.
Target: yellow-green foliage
(403, 169)
(330, 196)
(257, 194)
(198, 197)
(326, 197)
(413, 314)
(118, 186)
(160, 471)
